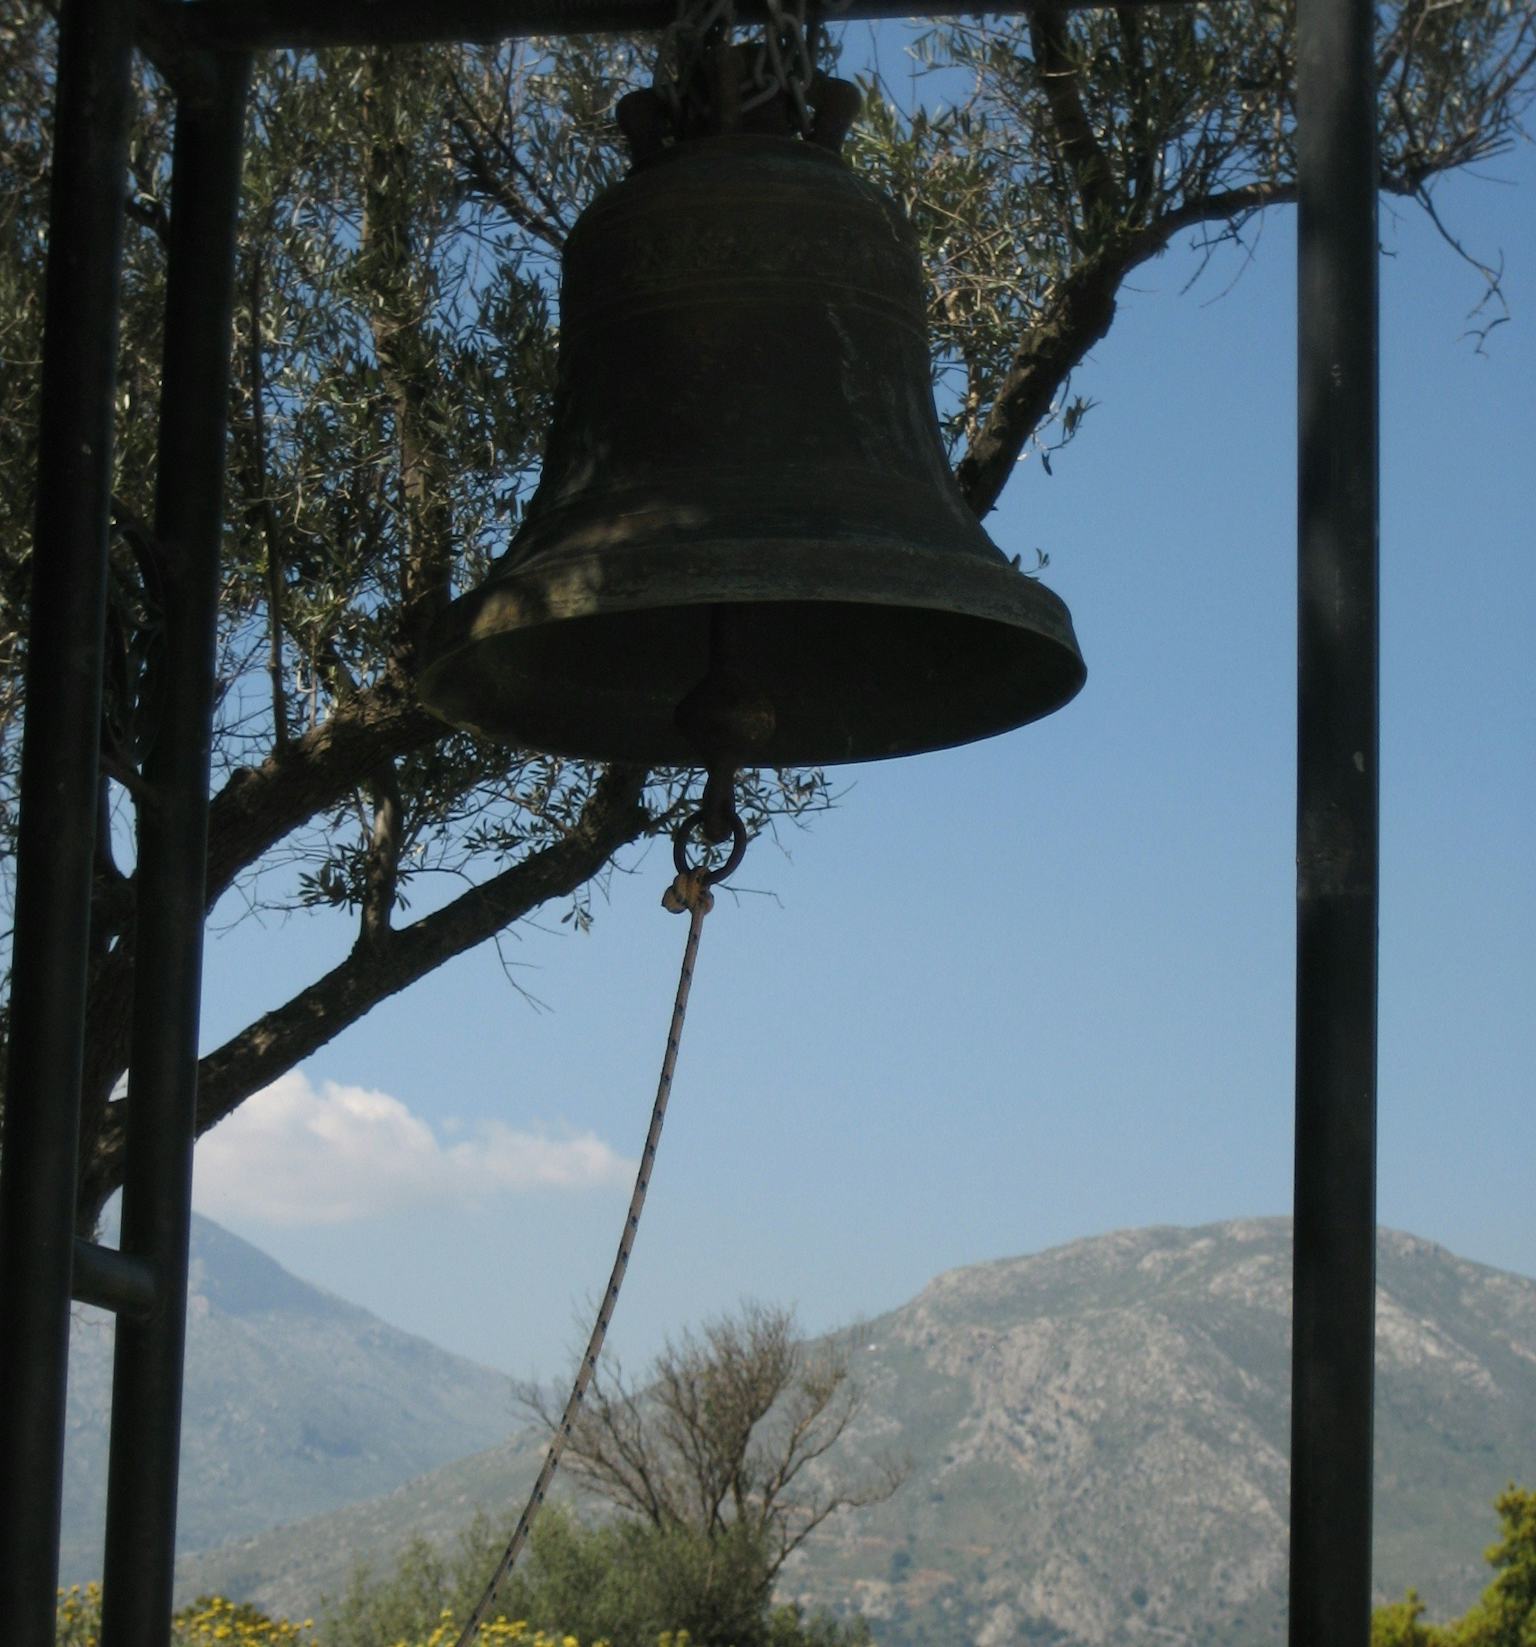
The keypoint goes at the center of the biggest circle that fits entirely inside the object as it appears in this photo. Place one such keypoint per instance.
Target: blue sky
(1032, 990)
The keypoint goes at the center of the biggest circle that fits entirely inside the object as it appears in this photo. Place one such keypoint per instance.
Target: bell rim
(998, 598)
(936, 580)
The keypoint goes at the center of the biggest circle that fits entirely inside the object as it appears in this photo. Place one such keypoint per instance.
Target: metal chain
(784, 62)
(689, 893)
(687, 44)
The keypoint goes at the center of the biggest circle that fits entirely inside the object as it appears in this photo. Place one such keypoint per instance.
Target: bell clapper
(718, 806)
(727, 718)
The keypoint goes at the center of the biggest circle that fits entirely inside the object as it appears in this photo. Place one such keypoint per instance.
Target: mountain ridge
(296, 1402)
(1099, 1436)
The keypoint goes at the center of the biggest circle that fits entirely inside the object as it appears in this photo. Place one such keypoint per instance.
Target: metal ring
(711, 877)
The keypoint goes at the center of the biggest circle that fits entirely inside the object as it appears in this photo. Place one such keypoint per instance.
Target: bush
(210, 1621)
(621, 1582)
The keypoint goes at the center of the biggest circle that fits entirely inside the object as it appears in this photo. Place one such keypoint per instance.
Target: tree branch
(384, 843)
(608, 1450)
(397, 319)
(371, 973)
(112, 892)
(1142, 150)
(470, 137)
(890, 1477)
(1078, 314)
(271, 536)
(1058, 69)
(259, 805)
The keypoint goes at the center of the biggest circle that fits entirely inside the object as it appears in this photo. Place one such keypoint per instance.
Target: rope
(688, 893)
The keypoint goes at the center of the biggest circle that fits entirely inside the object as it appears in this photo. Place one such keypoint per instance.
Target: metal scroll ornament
(746, 531)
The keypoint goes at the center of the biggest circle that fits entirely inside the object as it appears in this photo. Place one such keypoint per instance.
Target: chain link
(783, 63)
(688, 46)
(689, 893)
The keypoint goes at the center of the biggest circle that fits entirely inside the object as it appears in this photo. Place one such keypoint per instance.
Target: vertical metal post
(59, 777)
(1334, 1309)
(172, 854)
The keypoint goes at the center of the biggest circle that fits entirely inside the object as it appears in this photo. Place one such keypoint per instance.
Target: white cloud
(294, 1154)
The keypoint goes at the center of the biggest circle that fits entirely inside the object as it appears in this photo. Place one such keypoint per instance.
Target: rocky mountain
(1099, 1437)
(1097, 1441)
(296, 1403)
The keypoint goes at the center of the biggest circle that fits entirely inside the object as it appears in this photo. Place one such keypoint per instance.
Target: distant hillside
(1100, 1437)
(296, 1403)
(1098, 1440)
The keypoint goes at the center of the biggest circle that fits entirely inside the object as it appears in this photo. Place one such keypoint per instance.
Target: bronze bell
(745, 512)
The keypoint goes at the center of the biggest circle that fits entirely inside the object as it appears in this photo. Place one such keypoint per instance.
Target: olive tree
(731, 1435)
(402, 220)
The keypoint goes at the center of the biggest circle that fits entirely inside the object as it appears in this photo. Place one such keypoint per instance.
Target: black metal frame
(203, 49)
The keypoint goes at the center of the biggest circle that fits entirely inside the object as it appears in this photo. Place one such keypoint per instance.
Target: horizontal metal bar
(113, 1280)
(161, 33)
(254, 25)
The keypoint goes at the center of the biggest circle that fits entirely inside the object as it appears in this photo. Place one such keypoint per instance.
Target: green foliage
(402, 218)
(618, 1585)
(1096, 138)
(627, 1582)
(1505, 1615)
(1397, 1625)
(210, 1621)
(622, 1581)
(410, 1598)
(393, 355)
